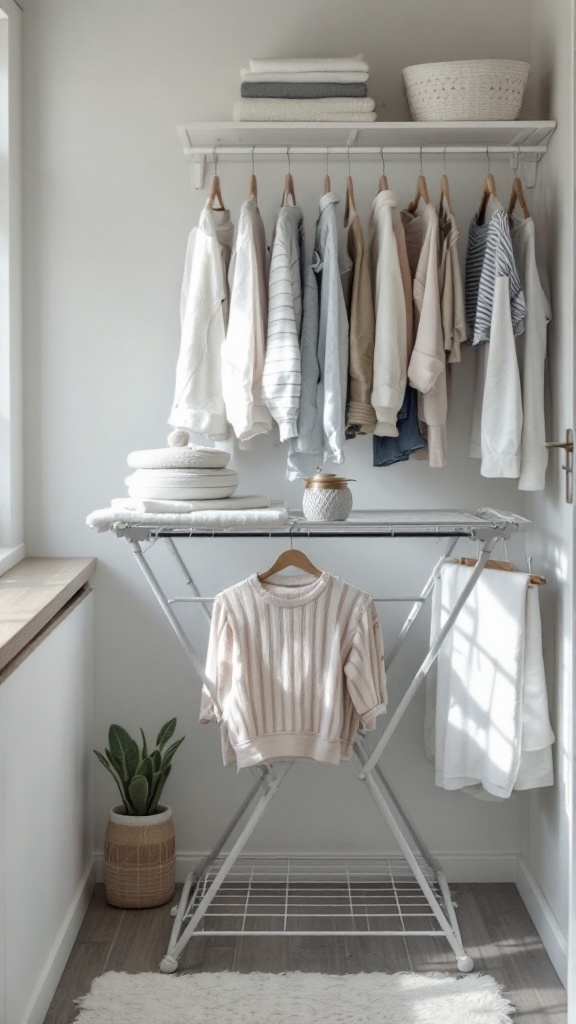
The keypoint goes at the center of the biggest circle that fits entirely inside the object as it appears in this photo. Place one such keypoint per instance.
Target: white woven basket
(466, 90)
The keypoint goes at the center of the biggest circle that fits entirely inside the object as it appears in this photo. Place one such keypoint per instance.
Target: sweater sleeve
(501, 429)
(364, 669)
(218, 664)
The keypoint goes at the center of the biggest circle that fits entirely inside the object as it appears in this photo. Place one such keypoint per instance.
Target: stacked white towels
(305, 89)
(183, 479)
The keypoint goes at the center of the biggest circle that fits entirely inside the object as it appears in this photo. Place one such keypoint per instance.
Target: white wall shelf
(231, 140)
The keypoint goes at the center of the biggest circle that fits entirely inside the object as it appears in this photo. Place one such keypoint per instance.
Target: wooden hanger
(327, 186)
(518, 197)
(215, 193)
(290, 557)
(494, 563)
(489, 191)
(350, 205)
(289, 189)
(253, 190)
(421, 193)
(445, 191)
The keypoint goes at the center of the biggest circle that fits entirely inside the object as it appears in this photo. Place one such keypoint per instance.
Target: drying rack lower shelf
(303, 896)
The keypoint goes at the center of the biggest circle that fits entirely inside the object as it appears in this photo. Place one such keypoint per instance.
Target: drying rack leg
(188, 578)
(169, 963)
(417, 608)
(464, 962)
(411, 829)
(171, 616)
(429, 660)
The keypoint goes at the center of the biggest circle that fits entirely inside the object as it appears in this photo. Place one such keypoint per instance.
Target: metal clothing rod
(357, 150)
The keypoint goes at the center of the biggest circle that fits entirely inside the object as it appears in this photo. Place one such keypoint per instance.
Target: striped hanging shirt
(489, 256)
(281, 379)
(297, 664)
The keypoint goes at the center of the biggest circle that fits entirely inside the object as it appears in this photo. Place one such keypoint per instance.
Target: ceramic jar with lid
(327, 497)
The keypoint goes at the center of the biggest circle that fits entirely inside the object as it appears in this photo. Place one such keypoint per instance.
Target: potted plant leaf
(139, 849)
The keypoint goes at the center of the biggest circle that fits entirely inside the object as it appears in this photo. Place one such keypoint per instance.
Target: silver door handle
(568, 467)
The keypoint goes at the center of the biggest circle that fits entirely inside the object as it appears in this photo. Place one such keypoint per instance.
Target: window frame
(11, 457)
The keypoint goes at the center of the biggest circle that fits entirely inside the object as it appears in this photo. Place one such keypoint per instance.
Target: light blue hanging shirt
(324, 354)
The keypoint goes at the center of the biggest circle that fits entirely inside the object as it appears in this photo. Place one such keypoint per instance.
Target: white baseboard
(55, 963)
(546, 924)
(458, 867)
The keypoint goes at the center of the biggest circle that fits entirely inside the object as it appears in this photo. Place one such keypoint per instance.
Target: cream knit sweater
(298, 665)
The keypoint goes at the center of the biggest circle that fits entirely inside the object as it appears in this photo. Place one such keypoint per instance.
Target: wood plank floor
(495, 925)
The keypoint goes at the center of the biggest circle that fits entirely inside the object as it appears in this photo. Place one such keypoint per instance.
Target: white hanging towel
(487, 726)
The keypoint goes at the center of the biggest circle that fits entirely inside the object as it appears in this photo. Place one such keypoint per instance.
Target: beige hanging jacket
(427, 367)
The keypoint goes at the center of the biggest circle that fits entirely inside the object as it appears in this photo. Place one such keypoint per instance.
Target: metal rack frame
(236, 888)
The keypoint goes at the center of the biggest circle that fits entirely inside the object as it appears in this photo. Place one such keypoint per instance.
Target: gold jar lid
(328, 481)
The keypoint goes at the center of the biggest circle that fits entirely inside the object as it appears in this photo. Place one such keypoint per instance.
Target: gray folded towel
(301, 90)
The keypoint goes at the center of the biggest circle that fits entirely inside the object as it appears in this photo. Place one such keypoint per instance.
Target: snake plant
(139, 774)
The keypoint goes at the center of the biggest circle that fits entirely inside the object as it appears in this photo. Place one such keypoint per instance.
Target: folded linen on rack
(487, 724)
(301, 90)
(211, 520)
(295, 65)
(331, 109)
(185, 484)
(236, 503)
(303, 76)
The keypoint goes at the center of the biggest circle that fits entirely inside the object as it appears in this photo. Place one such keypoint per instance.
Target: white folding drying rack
(228, 894)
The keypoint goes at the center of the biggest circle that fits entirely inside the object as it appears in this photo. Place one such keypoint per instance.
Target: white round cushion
(182, 484)
(190, 457)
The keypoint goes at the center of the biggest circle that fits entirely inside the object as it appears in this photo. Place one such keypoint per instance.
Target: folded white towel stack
(305, 89)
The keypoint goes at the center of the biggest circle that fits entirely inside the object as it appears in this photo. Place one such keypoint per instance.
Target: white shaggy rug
(296, 998)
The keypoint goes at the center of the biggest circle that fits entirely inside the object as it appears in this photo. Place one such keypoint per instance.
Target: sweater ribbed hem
(287, 746)
(360, 417)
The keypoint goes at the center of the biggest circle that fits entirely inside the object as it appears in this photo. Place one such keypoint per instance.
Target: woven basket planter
(139, 859)
(466, 90)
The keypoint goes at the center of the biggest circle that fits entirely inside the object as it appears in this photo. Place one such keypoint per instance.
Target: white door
(547, 868)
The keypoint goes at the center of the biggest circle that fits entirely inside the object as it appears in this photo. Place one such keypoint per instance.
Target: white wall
(547, 840)
(46, 814)
(109, 207)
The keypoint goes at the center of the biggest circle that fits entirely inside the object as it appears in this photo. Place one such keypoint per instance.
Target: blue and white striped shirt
(490, 255)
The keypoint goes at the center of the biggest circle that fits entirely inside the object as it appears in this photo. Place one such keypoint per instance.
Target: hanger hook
(517, 161)
(253, 148)
(288, 158)
(444, 158)
(327, 156)
(383, 160)
(348, 155)
(215, 158)
(421, 163)
(488, 160)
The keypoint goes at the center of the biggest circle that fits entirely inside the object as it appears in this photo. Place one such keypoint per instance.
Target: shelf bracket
(353, 135)
(198, 170)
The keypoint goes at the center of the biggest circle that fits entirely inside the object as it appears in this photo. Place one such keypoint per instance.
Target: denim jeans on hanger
(388, 450)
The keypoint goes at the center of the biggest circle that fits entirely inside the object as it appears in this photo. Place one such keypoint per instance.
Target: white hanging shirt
(244, 347)
(198, 400)
(531, 356)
